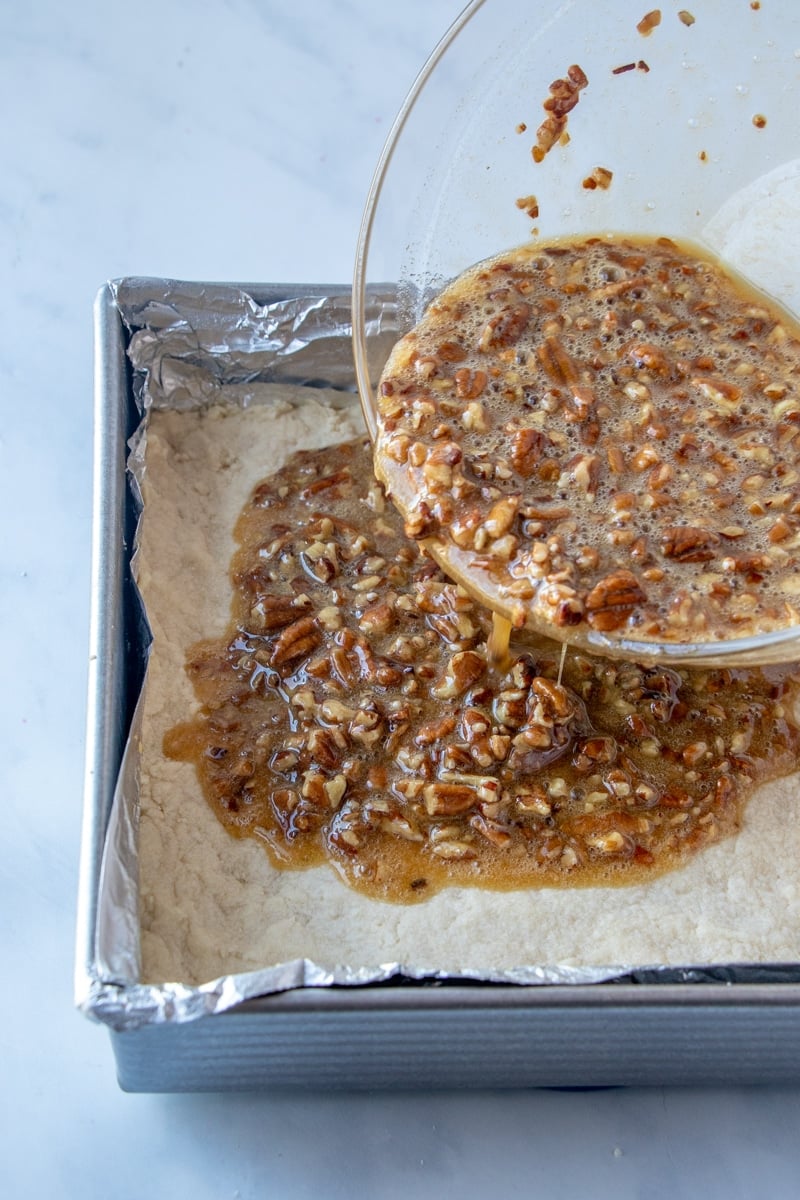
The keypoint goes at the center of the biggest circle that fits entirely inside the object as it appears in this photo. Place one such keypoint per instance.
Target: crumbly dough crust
(213, 905)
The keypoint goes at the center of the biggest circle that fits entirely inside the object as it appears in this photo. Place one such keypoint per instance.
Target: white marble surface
(258, 126)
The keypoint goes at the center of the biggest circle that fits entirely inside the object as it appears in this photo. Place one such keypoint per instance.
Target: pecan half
(554, 697)
(470, 384)
(688, 544)
(647, 357)
(296, 641)
(528, 447)
(506, 327)
(613, 599)
(463, 670)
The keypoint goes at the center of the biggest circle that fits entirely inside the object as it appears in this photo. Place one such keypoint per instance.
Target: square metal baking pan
(724, 1027)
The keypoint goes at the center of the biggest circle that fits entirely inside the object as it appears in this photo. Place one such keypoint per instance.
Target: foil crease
(201, 336)
(184, 347)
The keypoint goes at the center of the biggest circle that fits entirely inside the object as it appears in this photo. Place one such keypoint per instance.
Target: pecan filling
(352, 715)
(602, 439)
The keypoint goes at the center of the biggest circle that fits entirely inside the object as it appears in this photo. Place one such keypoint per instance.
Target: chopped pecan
(463, 670)
(564, 95)
(585, 471)
(501, 516)
(326, 747)
(509, 707)
(650, 21)
(327, 482)
(420, 521)
(435, 730)
(378, 617)
(448, 799)
(721, 392)
(275, 612)
(648, 357)
(600, 177)
(451, 352)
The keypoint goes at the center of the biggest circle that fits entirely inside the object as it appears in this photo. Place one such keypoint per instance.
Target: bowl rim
(361, 362)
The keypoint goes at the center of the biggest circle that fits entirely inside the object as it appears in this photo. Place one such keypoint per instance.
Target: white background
(228, 140)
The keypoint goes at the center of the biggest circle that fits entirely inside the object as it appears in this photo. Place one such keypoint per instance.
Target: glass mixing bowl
(695, 121)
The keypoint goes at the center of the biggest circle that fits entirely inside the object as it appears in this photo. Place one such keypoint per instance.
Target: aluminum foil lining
(184, 347)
